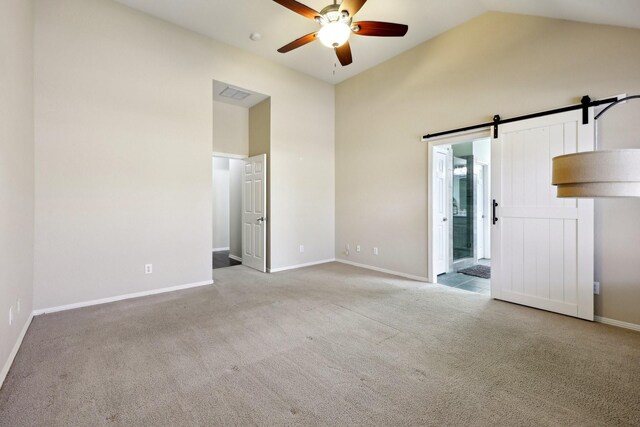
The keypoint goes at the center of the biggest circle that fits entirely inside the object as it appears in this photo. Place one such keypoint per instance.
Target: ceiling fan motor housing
(332, 13)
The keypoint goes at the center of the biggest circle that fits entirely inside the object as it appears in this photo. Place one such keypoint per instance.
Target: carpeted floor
(325, 345)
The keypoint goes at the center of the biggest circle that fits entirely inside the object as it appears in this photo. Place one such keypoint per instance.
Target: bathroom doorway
(460, 214)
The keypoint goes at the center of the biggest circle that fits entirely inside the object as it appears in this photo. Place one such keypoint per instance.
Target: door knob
(444, 219)
(261, 219)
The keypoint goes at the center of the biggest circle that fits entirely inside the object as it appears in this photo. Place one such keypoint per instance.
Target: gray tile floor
(485, 261)
(467, 283)
(221, 259)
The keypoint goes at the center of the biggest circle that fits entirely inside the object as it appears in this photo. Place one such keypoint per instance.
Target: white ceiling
(233, 21)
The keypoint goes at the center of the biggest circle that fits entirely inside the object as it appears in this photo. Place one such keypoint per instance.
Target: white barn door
(542, 246)
(254, 202)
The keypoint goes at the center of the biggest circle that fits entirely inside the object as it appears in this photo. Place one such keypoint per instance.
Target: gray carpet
(326, 345)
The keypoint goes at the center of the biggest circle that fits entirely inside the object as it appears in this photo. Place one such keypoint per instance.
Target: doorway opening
(460, 214)
(227, 211)
(240, 185)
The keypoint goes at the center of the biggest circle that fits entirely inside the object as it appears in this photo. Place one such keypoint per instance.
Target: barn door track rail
(585, 103)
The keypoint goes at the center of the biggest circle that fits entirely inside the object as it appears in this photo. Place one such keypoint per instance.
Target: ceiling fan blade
(352, 6)
(297, 7)
(298, 42)
(344, 54)
(380, 29)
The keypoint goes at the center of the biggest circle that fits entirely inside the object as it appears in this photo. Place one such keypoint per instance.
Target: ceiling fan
(336, 25)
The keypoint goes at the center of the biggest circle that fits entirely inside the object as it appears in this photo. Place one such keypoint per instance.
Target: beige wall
(221, 203)
(16, 171)
(495, 64)
(617, 229)
(260, 128)
(227, 205)
(230, 129)
(123, 151)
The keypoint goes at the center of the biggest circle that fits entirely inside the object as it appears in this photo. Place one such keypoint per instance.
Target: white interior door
(440, 204)
(542, 246)
(254, 204)
(480, 213)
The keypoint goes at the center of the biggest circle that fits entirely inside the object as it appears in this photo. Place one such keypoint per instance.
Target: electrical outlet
(375, 251)
(596, 288)
(10, 315)
(148, 268)
(18, 306)
(301, 248)
(357, 248)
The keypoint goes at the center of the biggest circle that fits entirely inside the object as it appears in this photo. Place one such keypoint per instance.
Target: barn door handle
(495, 217)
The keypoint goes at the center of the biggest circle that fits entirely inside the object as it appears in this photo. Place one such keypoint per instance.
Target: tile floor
(221, 259)
(467, 283)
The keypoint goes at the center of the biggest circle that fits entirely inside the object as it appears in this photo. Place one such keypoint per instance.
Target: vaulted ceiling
(232, 22)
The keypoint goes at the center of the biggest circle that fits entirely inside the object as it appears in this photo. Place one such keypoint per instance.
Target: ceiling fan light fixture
(334, 34)
(336, 25)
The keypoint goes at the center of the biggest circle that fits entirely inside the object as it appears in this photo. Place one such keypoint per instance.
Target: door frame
(447, 214)
(479, 222)
(447, 140)
(486, 228)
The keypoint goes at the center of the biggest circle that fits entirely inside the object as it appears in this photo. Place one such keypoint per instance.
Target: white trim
(454, 138)
(229, 155)
(293, 267)
(120, 297)
(617, 323)
(235, 258)
(220, 249)
(384, 270)
(14, 351)
(431, 143)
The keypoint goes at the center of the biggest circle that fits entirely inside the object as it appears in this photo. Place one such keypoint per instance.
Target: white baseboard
(235, 258)
(384, 270)
(120, 297)
(617, 323)
(14, 351)
(220, 249)
(293, 267)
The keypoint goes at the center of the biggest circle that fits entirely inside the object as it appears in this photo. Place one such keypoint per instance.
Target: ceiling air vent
(236, 94)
